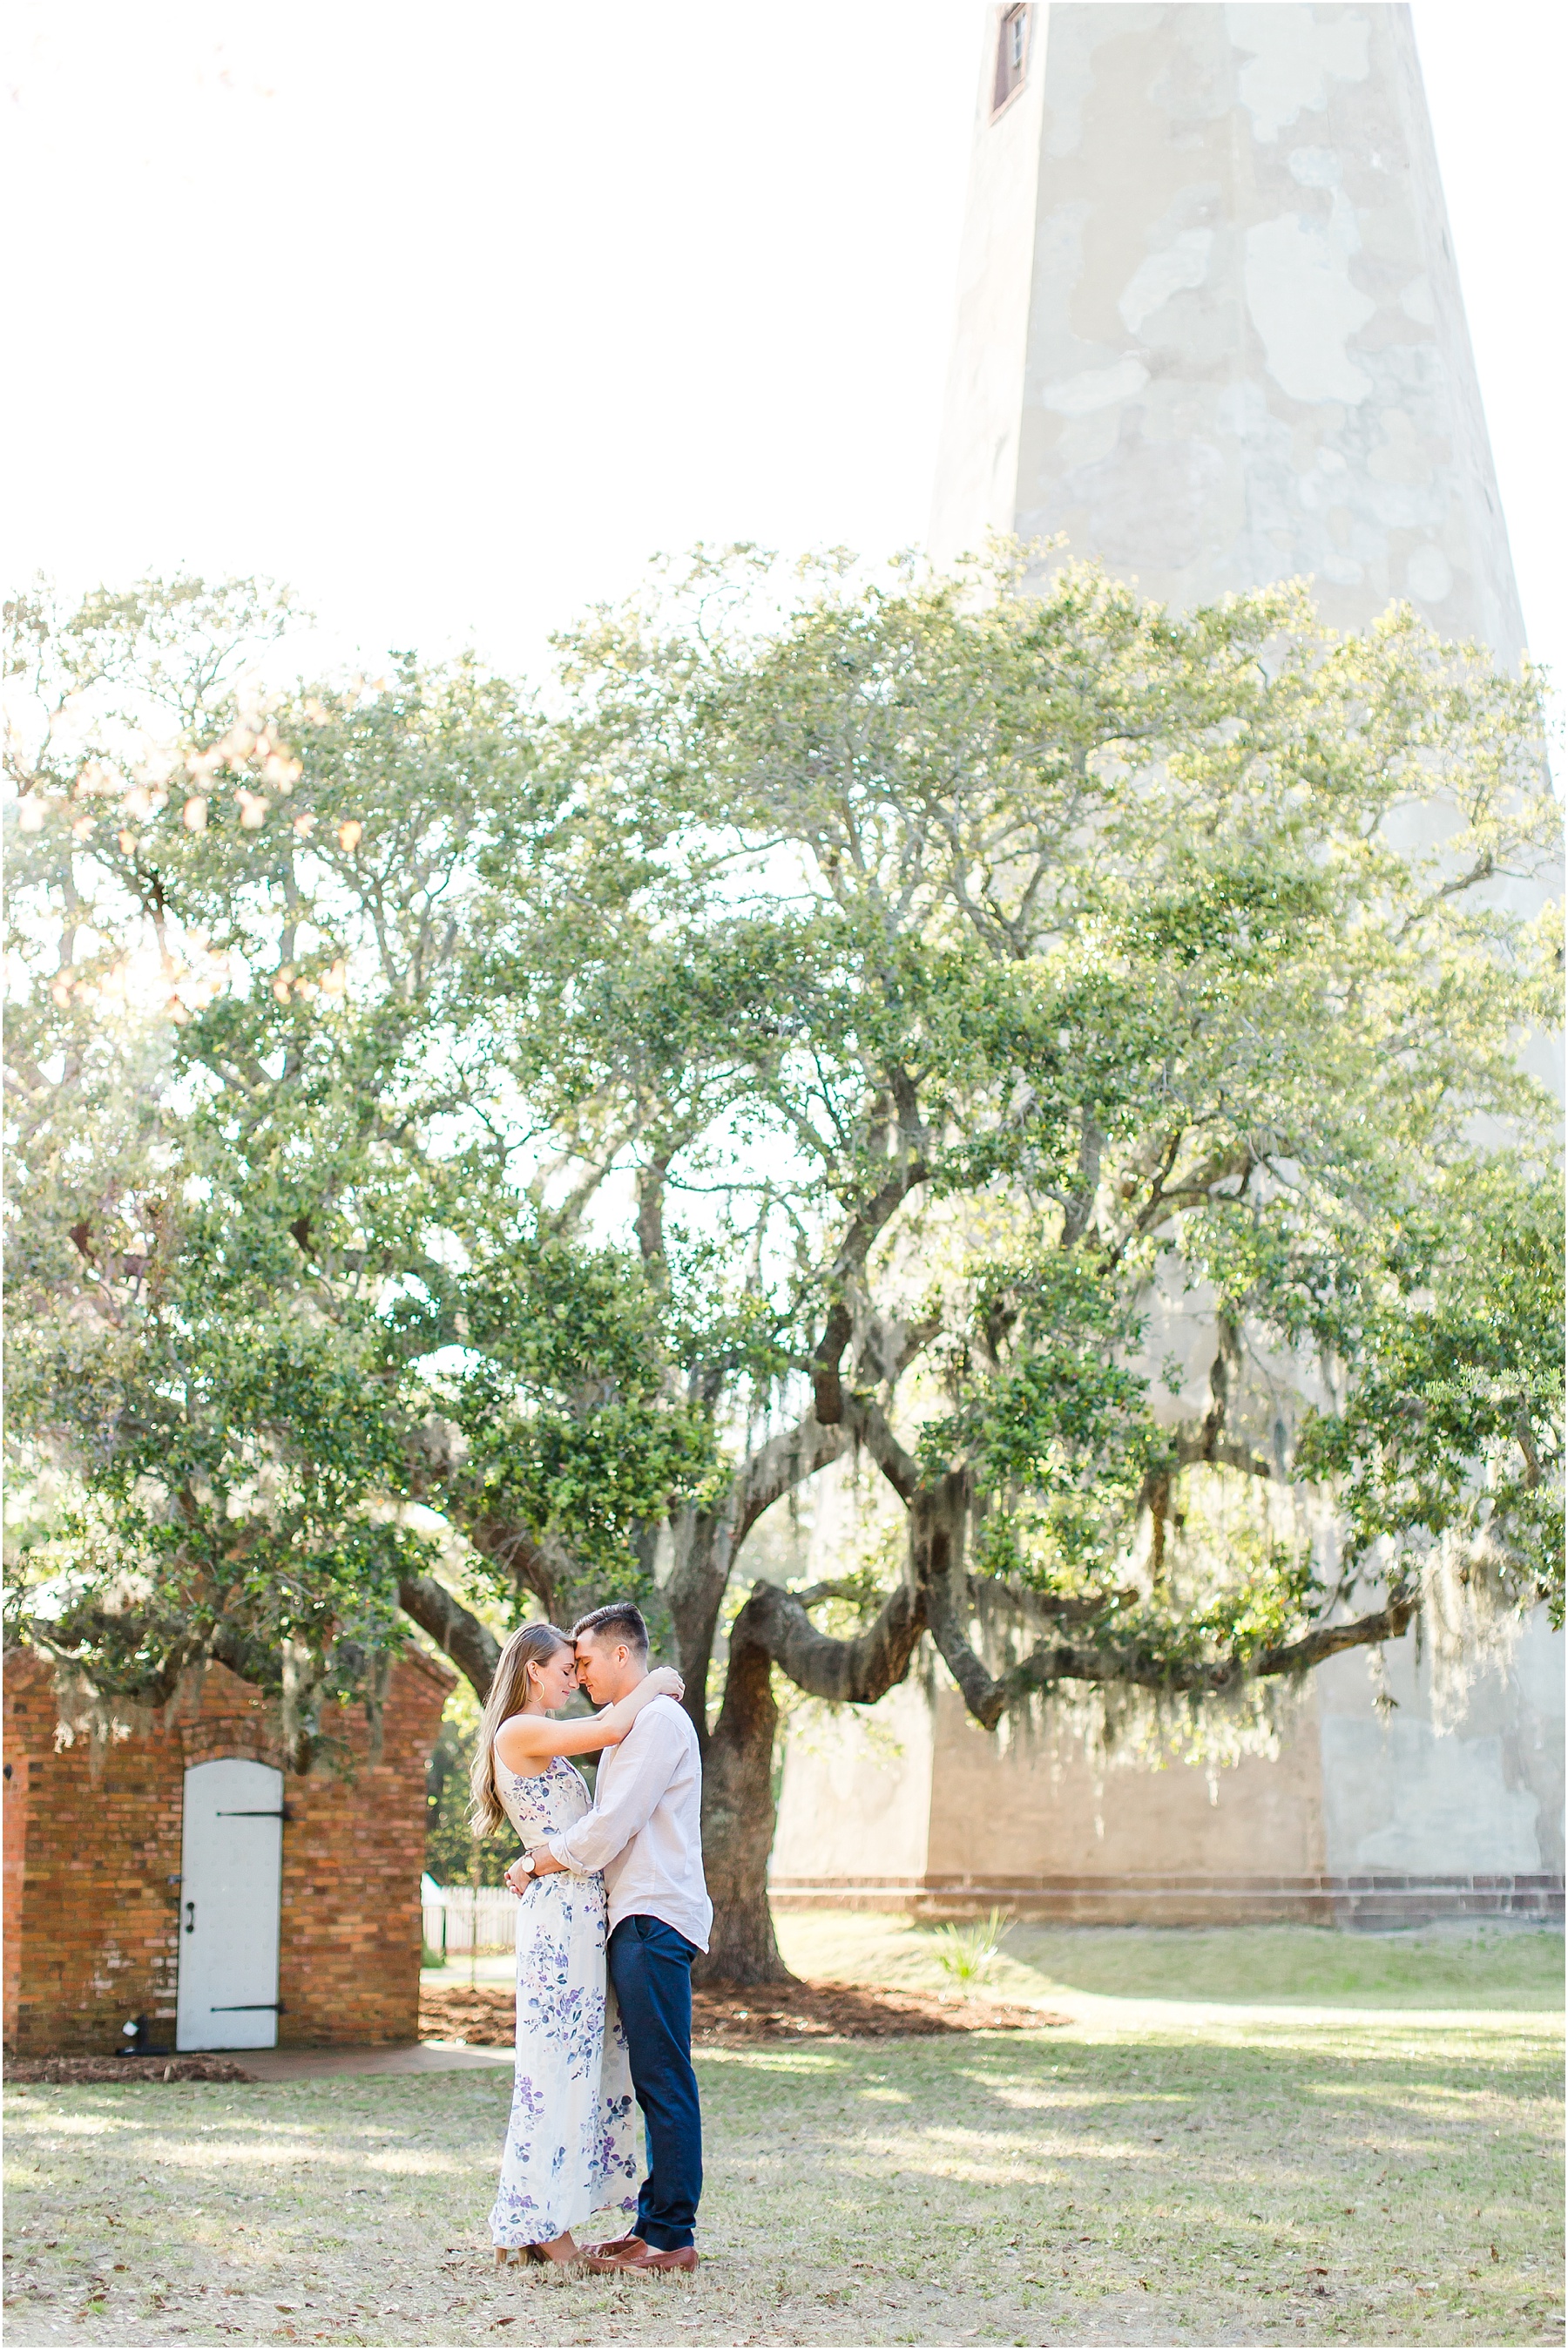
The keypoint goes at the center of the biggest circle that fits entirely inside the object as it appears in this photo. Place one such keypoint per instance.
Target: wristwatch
(525, 1863)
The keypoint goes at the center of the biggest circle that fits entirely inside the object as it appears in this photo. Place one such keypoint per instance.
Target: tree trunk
(738, 1818)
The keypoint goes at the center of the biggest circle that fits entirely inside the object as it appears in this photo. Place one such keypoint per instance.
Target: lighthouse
(1210, 332)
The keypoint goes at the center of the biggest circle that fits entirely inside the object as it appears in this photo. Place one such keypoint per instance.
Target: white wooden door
(229, 1889)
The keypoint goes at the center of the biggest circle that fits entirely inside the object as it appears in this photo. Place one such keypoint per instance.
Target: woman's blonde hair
(531, 1644)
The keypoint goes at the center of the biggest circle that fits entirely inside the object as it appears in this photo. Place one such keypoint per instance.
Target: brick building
(181, 1875)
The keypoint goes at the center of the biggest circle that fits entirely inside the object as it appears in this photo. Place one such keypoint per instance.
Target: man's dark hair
(619, 1621)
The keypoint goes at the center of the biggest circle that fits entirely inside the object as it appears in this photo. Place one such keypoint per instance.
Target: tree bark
(738, 1818)
(939, 1523)
(1132, 1667)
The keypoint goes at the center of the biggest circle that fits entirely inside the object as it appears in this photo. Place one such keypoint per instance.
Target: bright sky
(452, 315)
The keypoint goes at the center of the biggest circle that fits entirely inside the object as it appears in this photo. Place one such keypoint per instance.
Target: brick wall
(16, 1859)
(350, 1967)
(92, 1865)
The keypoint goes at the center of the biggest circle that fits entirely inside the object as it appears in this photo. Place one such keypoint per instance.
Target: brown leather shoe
(645, 2262)
(614, 2248)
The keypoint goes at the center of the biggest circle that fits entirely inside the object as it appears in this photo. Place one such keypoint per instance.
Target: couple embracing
(614, 1910)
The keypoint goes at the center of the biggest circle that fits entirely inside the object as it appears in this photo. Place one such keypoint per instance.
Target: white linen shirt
(645, 1830)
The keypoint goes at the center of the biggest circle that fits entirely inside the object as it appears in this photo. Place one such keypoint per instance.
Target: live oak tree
(1063, 1054)
(992, 978)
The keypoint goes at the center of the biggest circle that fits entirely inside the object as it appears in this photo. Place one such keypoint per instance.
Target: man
(645, 1832)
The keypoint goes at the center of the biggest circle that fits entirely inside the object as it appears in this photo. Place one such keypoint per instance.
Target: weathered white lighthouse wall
(1478, 1791)
(1246, 351)
(977, 479)
(1043, 1826)
(1360, 1818)
(855, 1807)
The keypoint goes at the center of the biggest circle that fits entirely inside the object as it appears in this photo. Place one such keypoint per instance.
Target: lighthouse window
(1011, 53)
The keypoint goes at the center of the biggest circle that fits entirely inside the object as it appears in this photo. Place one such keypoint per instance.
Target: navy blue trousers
(650, 1967)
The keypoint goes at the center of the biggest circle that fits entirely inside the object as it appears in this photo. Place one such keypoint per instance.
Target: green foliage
(1054, 1425)
(1454, 1425)
(1107, 930)
(444, 1131)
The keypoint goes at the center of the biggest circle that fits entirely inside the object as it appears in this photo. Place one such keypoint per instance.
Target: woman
(569, 2148)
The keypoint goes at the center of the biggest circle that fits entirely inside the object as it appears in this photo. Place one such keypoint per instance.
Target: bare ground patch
(483, 2015)
(99, 2071)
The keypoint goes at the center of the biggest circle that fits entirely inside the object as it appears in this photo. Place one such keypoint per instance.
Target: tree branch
(938, 1517)
(868, 1424)
(1390, 1623)
(785, 1460)
(456, 1630)
(1143, 1668)
(706, 1542)
(853, 1672)
(856, 1246)
(531, 1567)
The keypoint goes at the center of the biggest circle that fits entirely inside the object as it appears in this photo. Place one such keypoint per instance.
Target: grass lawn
(1490, 1965)
(1223, 2175)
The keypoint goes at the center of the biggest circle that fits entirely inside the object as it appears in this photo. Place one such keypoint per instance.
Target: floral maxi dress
(569, 2148)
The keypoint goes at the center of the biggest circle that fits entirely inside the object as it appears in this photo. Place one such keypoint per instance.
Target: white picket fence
(461, 1918)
